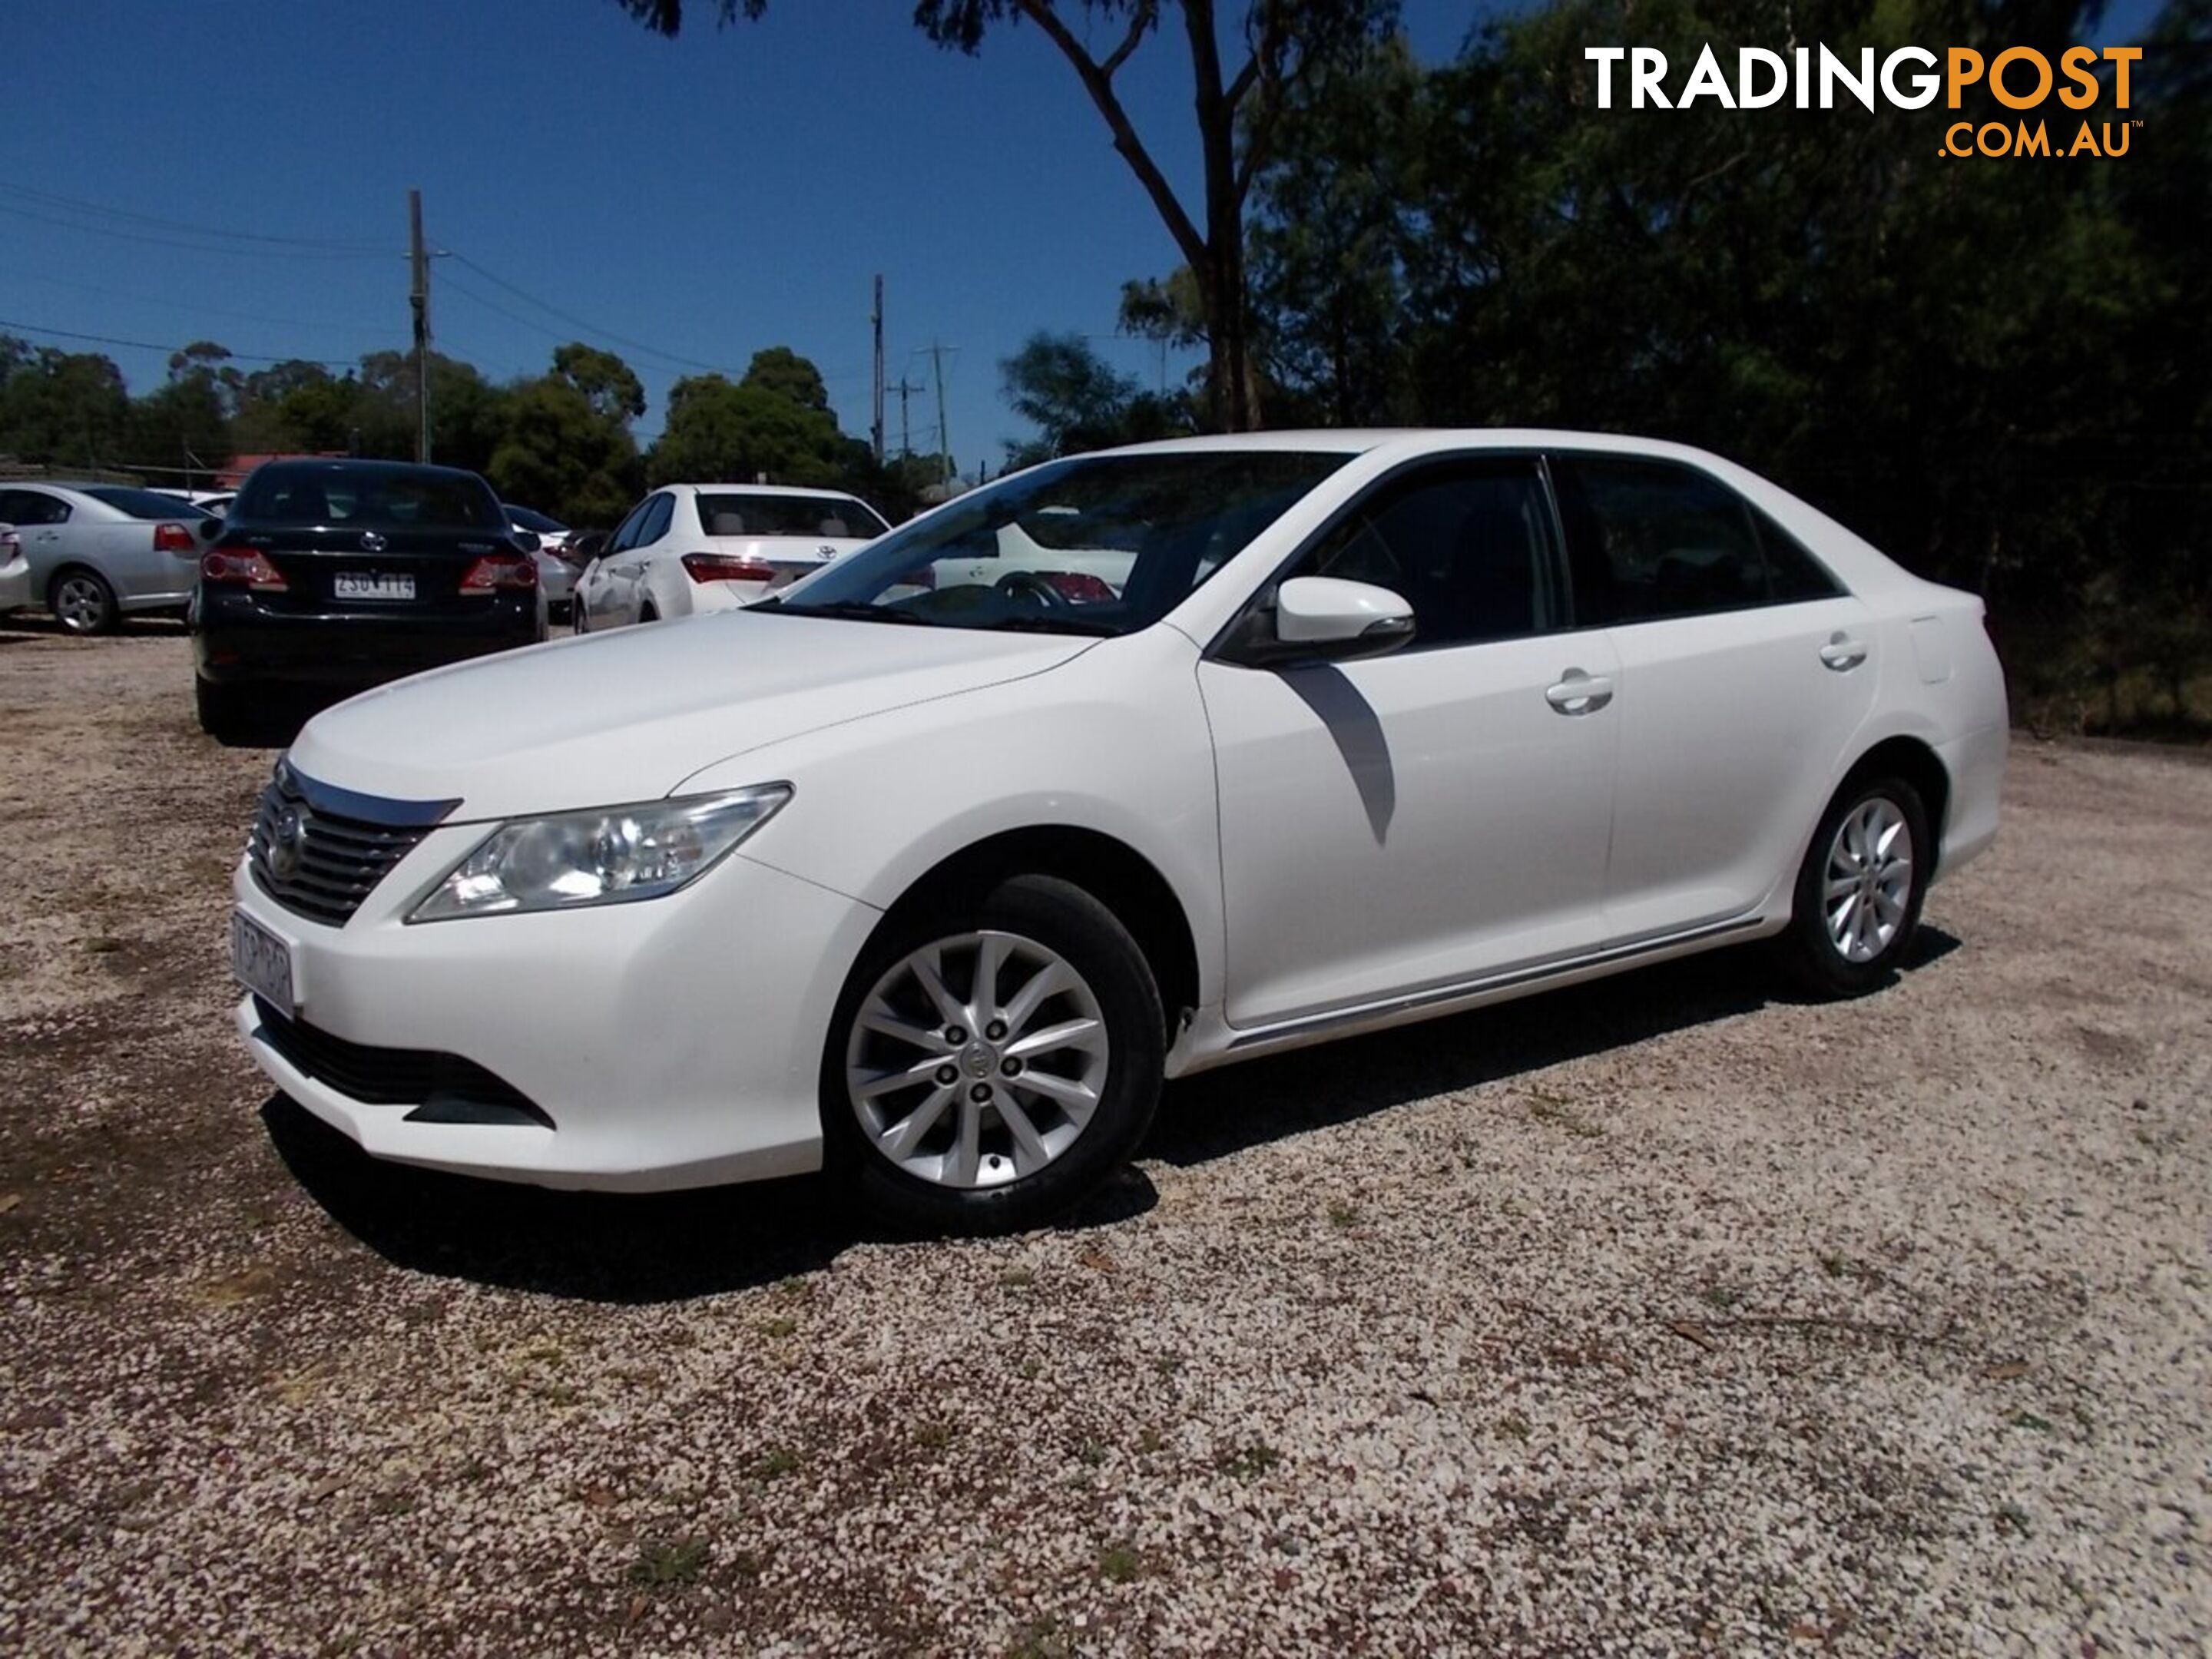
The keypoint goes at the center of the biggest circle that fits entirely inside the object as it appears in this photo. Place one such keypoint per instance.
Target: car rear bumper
(1975, 764)
(15, 584)
(673, 1044)
(236, 644)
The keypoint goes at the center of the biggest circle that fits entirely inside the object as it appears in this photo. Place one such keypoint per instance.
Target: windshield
(340, 494)
(1096, 544)
(727, 512)
(144, 503)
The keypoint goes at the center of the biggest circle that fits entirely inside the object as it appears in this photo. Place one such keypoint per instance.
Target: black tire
(1820, 962)
(1041, 912)
(221, 709)
(82, 602)
(645, 614)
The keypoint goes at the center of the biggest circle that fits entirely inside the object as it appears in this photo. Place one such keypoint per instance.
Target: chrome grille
(319, 864)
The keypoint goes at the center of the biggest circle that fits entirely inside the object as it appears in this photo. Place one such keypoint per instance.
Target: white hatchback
(933, 867)
(688, 548)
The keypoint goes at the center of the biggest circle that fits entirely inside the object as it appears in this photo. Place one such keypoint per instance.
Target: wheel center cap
(978, 1060)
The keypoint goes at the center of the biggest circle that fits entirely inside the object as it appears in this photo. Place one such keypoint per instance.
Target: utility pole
(905, 429)
(943, 437)
(419, 297)
(877, 319)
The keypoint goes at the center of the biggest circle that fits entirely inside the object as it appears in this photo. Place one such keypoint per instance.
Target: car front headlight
(611, 856)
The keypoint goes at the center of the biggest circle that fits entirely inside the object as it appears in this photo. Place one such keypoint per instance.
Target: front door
(1416, 822)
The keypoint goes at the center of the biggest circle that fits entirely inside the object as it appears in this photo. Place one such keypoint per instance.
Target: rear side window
(1468, 545)
(145, 503)
(730, 513)
(22, 506)
(1667, 540)
(339, 495)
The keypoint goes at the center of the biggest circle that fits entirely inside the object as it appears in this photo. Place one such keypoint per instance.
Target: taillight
(235, 568)
(172, 538)
(497, 570)
(723, 567)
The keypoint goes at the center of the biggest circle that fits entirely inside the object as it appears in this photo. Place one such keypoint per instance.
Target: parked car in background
(548, 539)
(688, 548)
(15, 571)
(216, 502)
(930, 870)
(99, 552)
(346, 574)
(583, 546)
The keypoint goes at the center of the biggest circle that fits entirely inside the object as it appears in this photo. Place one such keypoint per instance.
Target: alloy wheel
(1869, 879)
(977, 1060)
(80, 603)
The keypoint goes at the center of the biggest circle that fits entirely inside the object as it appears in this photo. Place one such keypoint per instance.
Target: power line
(575, 321)
(322, 244)
(173, 242)
(186, 304)
(150, 346)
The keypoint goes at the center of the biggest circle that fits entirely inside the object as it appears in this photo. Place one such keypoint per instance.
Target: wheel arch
(1919, 764)
(1111, 870)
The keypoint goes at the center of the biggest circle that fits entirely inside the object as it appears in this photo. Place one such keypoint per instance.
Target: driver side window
(1468, 545)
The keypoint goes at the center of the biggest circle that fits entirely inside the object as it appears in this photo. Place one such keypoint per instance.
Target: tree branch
(1099, 85)
(1141, 20)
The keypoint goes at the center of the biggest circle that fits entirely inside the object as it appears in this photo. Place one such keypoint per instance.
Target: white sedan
(688, 548)
(1130, 765)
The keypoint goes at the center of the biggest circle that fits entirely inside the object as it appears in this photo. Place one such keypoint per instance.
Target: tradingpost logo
(2020, 78)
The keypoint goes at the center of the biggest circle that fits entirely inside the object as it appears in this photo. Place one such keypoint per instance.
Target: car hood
(627, 715)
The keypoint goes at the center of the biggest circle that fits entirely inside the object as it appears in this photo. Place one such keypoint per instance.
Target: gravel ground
(1668, 1316)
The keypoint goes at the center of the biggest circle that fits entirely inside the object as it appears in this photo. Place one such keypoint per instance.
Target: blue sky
(706, 197)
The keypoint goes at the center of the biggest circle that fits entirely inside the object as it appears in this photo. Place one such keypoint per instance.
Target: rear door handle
(1843, 654)
(1578, 693)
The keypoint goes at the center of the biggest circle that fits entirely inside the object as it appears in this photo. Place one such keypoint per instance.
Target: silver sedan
(99, 552)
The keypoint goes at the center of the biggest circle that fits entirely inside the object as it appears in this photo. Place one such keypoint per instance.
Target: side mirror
(1322, 619)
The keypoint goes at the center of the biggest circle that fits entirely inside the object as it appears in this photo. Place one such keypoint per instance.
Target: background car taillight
(723, 567)
(497, 570)
(1079, 586)
(172, 538)
(237, 569)
(10, 545)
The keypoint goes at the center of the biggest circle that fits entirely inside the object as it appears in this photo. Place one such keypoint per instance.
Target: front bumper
(674, 1043)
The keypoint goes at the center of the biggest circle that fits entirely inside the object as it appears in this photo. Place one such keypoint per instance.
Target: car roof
(1410, 441)
(349, 463)
(773, 489)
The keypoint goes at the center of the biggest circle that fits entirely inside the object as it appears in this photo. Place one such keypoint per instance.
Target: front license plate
(372, 585)
(261, 962)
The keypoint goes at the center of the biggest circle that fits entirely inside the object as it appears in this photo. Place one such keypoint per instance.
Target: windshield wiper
(851, 610)
(1049, 622)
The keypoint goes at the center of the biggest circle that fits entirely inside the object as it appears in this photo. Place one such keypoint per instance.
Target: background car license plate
(372, 585)
(261, 962)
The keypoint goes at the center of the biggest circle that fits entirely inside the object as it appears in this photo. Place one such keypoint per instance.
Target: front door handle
(1578, 693)
(1843, 654)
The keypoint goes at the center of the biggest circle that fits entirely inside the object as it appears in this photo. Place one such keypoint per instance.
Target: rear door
(41, 520)
(1745, 671)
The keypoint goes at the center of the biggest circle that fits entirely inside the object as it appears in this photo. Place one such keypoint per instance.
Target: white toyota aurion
(933, 865)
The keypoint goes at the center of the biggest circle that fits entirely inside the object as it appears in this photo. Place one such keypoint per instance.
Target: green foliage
(767, 427)
(784, 372)
(1995, 370)
(61, 408)
(608, 384)
(1078, 402)
(561, 453)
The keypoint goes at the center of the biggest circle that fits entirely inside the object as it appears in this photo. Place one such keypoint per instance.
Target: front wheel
(993, 1062)
(1859, 891)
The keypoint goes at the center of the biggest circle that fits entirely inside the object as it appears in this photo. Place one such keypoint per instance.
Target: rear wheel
(992, 1061)
(1859, 892)
(82, 601)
